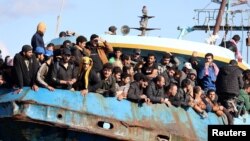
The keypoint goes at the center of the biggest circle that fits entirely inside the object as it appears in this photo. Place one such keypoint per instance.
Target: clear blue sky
(19, 18)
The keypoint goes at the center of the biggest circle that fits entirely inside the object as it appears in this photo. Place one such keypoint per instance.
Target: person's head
(48, 54)
(172, 89)
(66, 44)
(50, 46)
(187, 67)
(211, 94)
(107, 70)
(141, 79)
(171, 72)
(39, 52)
(62, 34)
(192, 74)
(126, 60)
(166, 59)
(233, 63)
(86, 63)
(125, 78)
(41, 27)
(247, 88)
(197, 90)
(27, 51)
(159, 81)
(81, 41)
(118, 52)
(128, 69)
(236, 38)
(151, 59)
(112, 30)
(194, 54)
(137, 52)
(209, 57)
(117, 71)
(94, 39)
(66, 53)
(186, 83)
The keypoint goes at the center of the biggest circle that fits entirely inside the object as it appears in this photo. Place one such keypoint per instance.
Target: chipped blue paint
(73, 110)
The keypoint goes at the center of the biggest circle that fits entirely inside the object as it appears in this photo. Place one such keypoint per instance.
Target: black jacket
(229, 80)
(134, 92)
(154, 94)
(25, 76)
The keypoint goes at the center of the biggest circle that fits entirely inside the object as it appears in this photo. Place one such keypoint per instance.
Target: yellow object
(89, 61)
(41, 27)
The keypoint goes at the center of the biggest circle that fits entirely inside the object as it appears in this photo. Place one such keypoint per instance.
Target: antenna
(59, 19)
(144, 22)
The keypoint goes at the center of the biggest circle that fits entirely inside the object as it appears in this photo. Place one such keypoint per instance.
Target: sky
(19, 19)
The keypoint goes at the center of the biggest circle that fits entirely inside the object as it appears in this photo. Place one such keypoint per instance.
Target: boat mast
(219, 17)
(59, 19)
(144, 22)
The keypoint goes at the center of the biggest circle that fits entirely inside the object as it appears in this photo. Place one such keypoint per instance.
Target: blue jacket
(208, 81)
(37, 41)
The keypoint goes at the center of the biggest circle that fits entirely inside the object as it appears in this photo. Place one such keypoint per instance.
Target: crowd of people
(94, 66)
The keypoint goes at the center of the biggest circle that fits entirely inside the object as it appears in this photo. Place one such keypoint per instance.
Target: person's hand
(84, 92)
(120, 97)
(18, 91)
(50, 88)
(207, 64)
(101, 40)
(2, 82)
(35, 87)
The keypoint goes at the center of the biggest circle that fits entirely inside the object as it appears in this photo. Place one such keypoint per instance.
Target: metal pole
(59, 19)
(248, 37)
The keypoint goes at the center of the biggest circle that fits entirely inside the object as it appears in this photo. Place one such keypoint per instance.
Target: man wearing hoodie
(37, 38)
(229, 82)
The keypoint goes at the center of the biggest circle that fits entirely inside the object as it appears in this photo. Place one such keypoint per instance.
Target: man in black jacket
(135, 92)
(229, 82)
(25, 68)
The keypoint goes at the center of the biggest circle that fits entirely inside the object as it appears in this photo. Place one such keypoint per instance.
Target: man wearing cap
(44, 73)
(39, 53)
(98, 53)
(64, 73)
(185, 70)
(192, 75)
(136, 57)
(88, 80)
(25, 68)
(37, 38)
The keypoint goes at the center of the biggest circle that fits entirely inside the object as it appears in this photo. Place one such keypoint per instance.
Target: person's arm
(41, 72)
(95, 82)
(151, 96)
(132, 93)
(18, 71)
(108, 47)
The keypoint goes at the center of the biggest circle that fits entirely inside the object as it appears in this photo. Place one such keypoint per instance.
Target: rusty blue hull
(63, 114)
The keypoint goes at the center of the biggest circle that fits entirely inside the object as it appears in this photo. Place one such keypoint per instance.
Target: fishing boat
(67, 115)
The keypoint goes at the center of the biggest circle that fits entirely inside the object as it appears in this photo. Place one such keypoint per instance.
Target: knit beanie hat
(26, 48)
